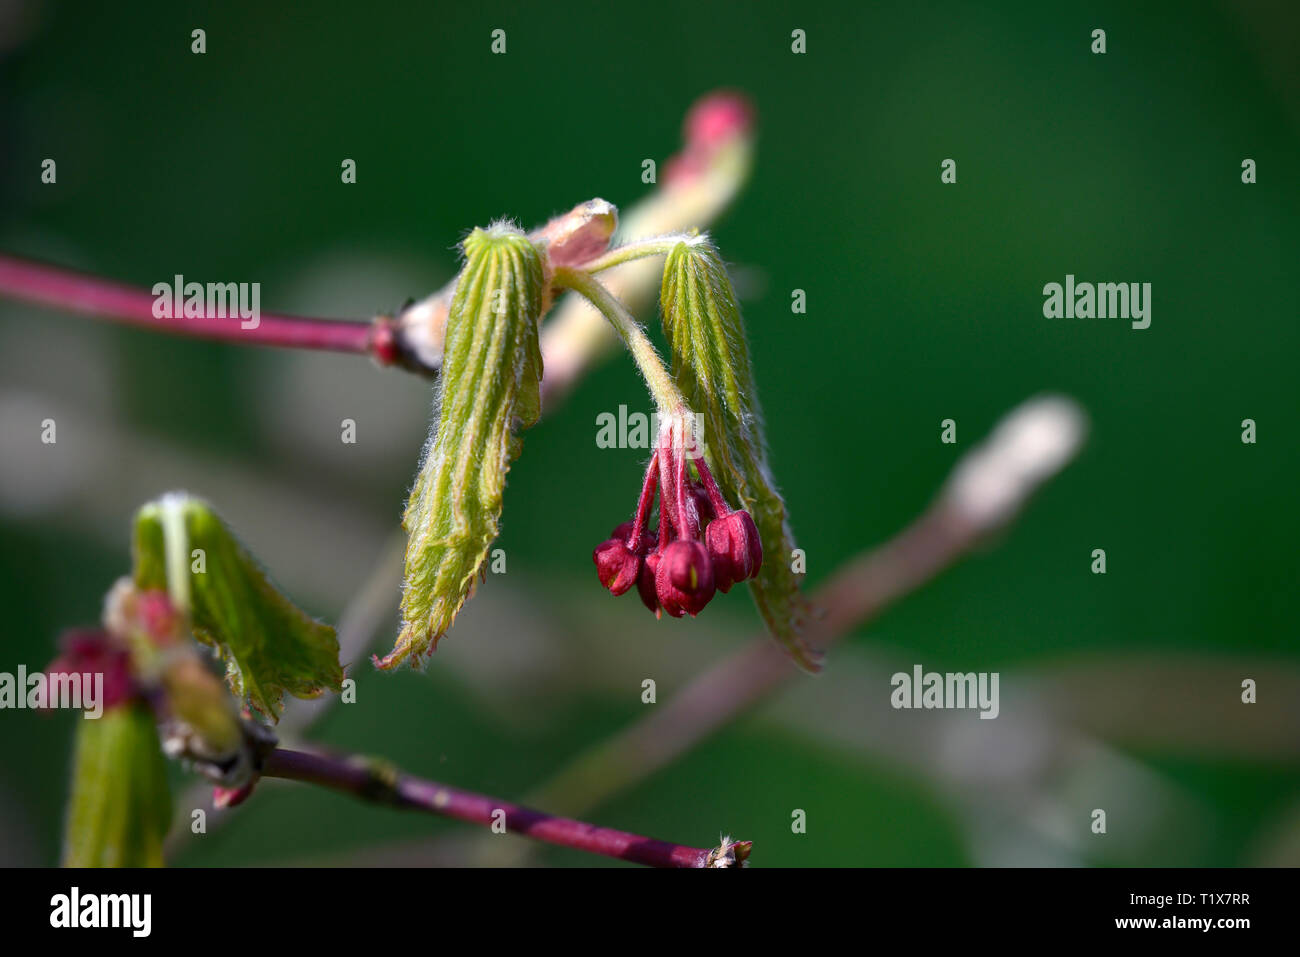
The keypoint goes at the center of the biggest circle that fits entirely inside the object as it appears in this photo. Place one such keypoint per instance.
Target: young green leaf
(270, 646)
(710, 361)
(120, 807)
(491, 379)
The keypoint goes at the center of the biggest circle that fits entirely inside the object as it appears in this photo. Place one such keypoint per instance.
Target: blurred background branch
(987, 489)
(380, 783)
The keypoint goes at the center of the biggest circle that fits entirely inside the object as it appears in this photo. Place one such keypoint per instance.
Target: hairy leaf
(269, 645)
(491, 378)
(710, 361)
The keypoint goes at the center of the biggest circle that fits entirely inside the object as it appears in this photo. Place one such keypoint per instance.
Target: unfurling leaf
(710, 361)
(120, 807)
(491, 378)
(269, 645)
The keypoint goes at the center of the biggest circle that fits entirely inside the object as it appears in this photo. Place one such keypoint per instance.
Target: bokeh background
(924, 302)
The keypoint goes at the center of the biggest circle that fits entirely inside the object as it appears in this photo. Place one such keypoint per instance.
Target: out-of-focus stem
(381, 784)
(695, 187)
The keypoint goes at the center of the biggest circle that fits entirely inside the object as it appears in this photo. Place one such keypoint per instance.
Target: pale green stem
(663, 388)
(638, 249)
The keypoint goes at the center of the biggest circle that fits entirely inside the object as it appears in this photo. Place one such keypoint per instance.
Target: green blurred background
(924, 302)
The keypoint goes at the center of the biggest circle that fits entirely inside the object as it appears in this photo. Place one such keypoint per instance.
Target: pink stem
(669, 515)
(665, 523)
(689, 526)
(720, 506)
(645, 502)
(92, 296)
(364, 780)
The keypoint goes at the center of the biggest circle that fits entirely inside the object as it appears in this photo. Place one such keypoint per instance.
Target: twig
(382, 784)
(92, 296)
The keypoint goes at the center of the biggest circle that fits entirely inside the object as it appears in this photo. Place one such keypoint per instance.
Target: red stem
(689, 526)
(669, 519)
(665, 524)
(92, 296)
(719, 502)
(370, 782)
(645, 502)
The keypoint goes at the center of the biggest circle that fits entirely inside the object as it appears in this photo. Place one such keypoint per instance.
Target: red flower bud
(158, 616)
(735, 548)
(91, 651)
(703, 507)
(713, 122)
(649, 537)
(684, 578)
(617, 566)
(718, 118)
(645, 583)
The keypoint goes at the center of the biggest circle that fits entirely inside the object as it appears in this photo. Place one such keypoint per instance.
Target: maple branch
(88, 295)
(381, 783)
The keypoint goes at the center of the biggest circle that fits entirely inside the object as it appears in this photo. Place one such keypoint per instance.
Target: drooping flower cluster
(702, 545)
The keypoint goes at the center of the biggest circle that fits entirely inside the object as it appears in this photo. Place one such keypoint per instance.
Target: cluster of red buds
(91, 651)
(702, 546)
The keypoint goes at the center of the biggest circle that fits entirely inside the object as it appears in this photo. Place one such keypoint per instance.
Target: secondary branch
(382, 784)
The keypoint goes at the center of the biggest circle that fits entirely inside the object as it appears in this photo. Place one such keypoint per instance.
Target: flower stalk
(663, 389)
(634, 250)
